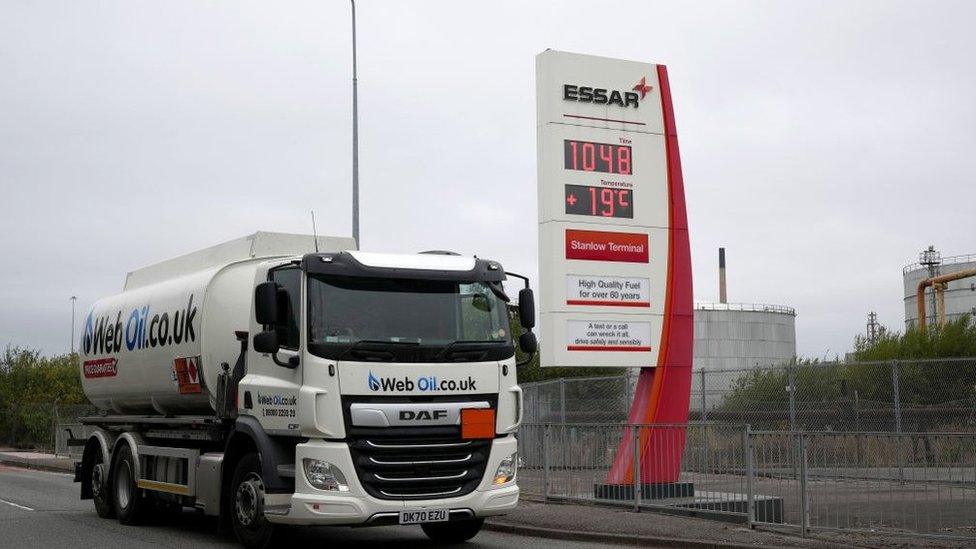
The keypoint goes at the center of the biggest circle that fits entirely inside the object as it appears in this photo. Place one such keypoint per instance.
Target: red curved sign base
(663, 390)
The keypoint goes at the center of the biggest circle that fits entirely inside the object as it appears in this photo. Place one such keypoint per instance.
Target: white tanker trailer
(282, 379)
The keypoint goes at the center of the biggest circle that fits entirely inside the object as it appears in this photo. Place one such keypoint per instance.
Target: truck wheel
(126, 497)
(456, 531)
(101, 490)
(247, 511)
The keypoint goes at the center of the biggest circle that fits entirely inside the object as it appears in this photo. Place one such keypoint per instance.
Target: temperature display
(599, 201)
(588, 156)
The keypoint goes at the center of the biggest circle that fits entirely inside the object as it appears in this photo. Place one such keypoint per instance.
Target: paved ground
(42, 509)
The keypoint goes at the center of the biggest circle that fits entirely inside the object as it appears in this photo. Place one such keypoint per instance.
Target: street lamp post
(355, 135)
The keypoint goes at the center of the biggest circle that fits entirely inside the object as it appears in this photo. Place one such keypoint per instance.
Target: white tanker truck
(285, 379)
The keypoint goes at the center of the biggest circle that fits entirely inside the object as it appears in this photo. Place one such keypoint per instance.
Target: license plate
(423, 515)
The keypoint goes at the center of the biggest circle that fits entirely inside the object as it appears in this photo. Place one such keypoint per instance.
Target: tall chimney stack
(722, 297)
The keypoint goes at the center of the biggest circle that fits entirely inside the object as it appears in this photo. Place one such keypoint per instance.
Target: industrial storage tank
(731, 336)
(960, 295)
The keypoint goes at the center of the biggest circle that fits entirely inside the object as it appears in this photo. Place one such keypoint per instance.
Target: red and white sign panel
(100, 367)
(606, 246)
(604, 202)
(187, 373)
(607, 291)
(608, 336)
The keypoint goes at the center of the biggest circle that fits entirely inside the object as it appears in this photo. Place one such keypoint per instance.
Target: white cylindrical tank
(960, 296)
(733, 338)
(158, 347)
(743, 335)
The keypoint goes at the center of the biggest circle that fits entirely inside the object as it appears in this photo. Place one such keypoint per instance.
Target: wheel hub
(97, 480)
(249, 500)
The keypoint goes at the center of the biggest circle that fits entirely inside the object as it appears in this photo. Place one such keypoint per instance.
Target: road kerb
(605, 537)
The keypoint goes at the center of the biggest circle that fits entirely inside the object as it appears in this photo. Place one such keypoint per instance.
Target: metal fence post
(562, 400)
(747, 460)
(896, 398)
(54, 428)
(704, 433)
(637, 469)
(804, 504)
(704, 413)
(896, 395)
(791, 388)
(791, 382)
(545, 463)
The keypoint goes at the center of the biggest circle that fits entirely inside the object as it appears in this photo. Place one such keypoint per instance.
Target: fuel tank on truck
(158, 347)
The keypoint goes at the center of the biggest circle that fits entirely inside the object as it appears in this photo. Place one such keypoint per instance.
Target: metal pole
(804, 507)
(545, 463)
(704, 433)
(896, 397)
(637, 468)
(791, 381)
(747, 457)
(355, 134)
(704, 414)
(73, 299)
(54, 428)
(791, 387)
(562, 400)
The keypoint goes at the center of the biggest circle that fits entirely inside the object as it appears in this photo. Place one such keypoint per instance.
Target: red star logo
(571, 199)
(642, 87)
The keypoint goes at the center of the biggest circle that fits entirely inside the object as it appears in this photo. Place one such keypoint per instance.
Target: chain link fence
(849, 481)
(886, 446)
(44, 426)
(890, 396)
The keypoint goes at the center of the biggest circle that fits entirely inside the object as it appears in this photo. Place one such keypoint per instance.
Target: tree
(920, 383)
(30, 387)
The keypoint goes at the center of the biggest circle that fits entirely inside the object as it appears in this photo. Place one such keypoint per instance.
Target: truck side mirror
(527, 308)
(267, 342)
(266, 305)
(528, 343)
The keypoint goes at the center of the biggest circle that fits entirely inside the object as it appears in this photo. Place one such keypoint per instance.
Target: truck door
(273, 384)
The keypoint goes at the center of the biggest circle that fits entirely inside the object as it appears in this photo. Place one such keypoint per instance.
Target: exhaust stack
(722, 297)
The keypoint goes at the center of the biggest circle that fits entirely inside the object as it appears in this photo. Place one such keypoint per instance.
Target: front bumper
(311, 506)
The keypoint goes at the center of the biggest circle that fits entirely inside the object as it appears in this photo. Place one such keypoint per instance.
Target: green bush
(30, 388)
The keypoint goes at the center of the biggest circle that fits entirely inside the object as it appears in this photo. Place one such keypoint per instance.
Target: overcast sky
(823, 144)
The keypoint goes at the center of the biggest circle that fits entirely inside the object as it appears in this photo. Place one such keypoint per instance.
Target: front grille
(410, 463)
(419, 467)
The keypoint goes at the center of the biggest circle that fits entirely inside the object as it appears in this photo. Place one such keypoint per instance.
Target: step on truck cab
(268, 384)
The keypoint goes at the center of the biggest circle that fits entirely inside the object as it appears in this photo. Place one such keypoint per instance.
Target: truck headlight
(506, 470)
(324, 475)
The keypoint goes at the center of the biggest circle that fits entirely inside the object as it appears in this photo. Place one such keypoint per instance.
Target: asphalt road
(41, 509)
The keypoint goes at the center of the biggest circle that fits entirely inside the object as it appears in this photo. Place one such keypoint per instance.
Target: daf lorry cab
(291, 380)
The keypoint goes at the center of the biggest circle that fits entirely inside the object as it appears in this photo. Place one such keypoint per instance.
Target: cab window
(290, 280)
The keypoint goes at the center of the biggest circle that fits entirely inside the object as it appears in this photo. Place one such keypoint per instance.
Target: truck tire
(247, 504)
(101, 488)
(126, 496)
(455, 531)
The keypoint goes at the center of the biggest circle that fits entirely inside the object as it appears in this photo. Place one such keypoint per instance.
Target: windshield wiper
(450, 349)
(361, 347)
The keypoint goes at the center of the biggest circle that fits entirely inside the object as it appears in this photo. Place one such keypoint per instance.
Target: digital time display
(588, 156)
(599, 201)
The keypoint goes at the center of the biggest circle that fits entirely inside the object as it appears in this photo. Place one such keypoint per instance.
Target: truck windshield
(426, 319)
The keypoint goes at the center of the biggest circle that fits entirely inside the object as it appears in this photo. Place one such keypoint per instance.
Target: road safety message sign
(606, 211)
